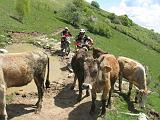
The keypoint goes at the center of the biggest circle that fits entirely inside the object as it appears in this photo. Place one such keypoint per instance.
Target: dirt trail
(59, 101)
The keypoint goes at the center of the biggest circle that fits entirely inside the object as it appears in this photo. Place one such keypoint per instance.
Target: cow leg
(80, 90)
(40, 86)
(92, 110)
(120, 82)
(109, 99)
(106, 90)
(3, 113)
(87, 93)
(74, 83)
(110, 93)
(130, 88)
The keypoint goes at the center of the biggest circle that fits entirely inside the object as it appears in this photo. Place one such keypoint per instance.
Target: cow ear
(107, 68)
(148, 92)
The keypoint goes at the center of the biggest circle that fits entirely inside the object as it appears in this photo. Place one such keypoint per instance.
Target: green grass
(153, 100)
(119, 116)
(40, 18)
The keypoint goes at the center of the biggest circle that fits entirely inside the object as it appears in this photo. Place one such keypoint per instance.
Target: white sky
(145, 13)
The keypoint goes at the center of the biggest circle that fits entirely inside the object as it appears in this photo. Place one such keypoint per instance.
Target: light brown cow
(135, 73)
(101, 76)
(18, 69)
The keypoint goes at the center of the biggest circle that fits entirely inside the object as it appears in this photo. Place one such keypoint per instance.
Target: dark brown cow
(77, 64)
(18, 69)
(101, 75)
(97, 52)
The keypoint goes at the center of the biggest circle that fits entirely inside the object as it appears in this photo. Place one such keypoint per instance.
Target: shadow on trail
(15, 110)
(65, 68)
(81, 112)
(66, 97)
(130, 103)
(56, 53)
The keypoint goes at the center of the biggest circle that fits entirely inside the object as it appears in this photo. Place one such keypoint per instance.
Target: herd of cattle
(96, 72)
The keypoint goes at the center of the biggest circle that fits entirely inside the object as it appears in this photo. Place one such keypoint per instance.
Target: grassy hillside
(132, 41)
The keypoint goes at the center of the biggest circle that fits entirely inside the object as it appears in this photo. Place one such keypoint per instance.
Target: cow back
(19, 68)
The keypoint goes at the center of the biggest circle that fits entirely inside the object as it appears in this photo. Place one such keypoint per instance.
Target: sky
(145, 13)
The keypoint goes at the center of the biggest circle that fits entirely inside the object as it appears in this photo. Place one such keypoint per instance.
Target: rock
(70, 75)
(142, 116)
(3, 51)
(24, 95)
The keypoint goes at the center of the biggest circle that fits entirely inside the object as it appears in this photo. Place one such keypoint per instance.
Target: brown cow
(101, 76)
(135, 73)
(18, 69)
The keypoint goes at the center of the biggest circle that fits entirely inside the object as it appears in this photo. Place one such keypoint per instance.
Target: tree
(125, 20)
(73, 14)
(95, 4)
(22, 8)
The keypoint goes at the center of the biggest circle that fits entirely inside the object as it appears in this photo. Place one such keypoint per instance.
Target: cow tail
(47, 78)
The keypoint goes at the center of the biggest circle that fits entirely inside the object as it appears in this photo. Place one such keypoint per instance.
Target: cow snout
(86, 86)
(95, 71)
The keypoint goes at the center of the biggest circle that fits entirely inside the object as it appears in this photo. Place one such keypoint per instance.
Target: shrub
(125, 20)
(114, 19)
(100, 28)
(112, 16)
(95, 4)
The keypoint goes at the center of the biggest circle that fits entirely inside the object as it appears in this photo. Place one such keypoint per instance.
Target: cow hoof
(79, 99)
(3, 117)
(87, 93)
(37, 104)
(103, 113)
(72, 87)
(91, 112)
(136, 100)
(108, 106)
(37, 111)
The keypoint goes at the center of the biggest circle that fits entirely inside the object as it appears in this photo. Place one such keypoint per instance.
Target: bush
(99, 28)
(112, 16)
(95, 4)
(125, 20)
(114, 19)
(73, 12)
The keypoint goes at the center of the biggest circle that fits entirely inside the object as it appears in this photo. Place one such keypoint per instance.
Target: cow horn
(101, 59)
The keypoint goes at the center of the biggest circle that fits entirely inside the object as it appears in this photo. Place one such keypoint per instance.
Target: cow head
(141, 97)
(97, 52)
(91, 71)
(94, 72)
